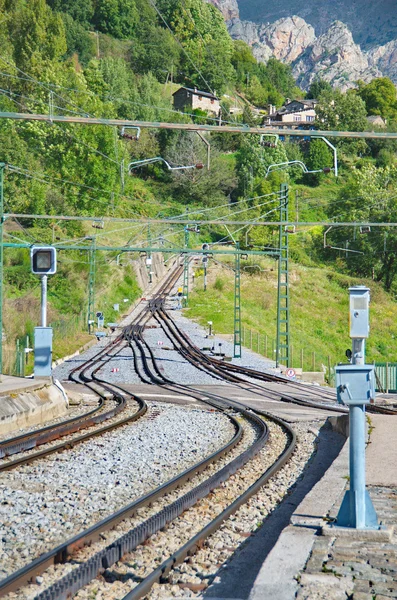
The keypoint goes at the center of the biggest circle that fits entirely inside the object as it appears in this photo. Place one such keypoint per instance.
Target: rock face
(285, 39)
(385, 59)
(336, 58)
(333, 55)
(371, 22)
(229, 8)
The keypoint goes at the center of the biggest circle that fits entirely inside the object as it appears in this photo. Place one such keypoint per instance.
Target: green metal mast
(149, 256)
(237, 305)
(186, 269)
(91, 285)
(2, 167)
(282, 343)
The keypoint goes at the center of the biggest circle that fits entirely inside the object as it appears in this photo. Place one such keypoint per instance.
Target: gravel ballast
(54, 498)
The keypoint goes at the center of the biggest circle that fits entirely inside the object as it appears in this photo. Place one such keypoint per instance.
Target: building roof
(196, 92)
(287, 108)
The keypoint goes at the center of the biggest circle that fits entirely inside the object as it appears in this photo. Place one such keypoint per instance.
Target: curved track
(146, 366)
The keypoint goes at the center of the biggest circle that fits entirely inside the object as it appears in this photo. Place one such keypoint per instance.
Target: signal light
(43, 260)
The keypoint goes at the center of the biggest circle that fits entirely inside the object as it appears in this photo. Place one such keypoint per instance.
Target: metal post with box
(43, 263)
(355, 387)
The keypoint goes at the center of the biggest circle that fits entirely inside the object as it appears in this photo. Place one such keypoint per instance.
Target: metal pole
(2, 167)
(91, 287)
(358, 351)
(357, 463)
(237, 305)
(44, 301)
(205, 277)
(282, 341)
(186, 269)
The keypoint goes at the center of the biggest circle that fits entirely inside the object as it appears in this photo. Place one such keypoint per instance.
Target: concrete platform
(305, 564)
(16, 385)
(26, 402)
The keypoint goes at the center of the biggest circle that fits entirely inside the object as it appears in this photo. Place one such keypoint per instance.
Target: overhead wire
(152, 3)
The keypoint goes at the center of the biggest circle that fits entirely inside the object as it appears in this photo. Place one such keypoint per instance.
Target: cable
(45, 86)
(183, 49)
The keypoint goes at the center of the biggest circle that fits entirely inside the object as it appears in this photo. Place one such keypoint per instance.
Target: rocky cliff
(286, 39)
(372, 22)
(229, 8)
(333, 55)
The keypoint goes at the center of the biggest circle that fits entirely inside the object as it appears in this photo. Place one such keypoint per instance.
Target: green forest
(124, 59)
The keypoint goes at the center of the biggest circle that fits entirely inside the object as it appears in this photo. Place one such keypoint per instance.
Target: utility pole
(149, 256)
(186, 269)
(282, 342)
(237, 305)
(2, 167)
(91, 286)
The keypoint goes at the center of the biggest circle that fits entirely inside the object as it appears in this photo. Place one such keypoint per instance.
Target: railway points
(204, 379)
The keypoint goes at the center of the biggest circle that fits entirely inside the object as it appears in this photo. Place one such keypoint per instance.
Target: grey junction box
(42, 351)
(359, 312)
(355, 384)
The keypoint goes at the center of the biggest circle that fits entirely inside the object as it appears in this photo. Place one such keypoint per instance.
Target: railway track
(92, 563)
(96, 563)
(27, 442)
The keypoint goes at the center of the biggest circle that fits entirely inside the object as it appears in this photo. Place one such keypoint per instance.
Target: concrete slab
(10, 385)
(288, 557)
(296, 540)
(385, 534)
(381, 455)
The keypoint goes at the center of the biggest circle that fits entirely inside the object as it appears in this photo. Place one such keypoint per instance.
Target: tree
(208, 187)
(318, 157)
(380, 97)
(38, 36)
(280, 76)
(78, 40)
(80, 10)
(368, 196)
(343, 112)
(318, 87)
(155, 50)
(252, 162)
(118, 18)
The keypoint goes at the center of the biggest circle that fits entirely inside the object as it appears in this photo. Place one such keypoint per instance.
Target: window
(309, 118)
(297, 117)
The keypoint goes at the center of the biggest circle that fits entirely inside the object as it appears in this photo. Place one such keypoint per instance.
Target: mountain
(330, 52)
(334, 57)
(372, 22)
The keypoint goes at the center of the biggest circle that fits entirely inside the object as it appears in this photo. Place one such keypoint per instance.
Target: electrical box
(355, 384)
(359, 312)
(43, 260)
(42, 351)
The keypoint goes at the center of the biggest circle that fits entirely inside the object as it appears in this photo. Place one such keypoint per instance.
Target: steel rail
(68, 444)
(32, 439)
(195, 127)
(160, 573)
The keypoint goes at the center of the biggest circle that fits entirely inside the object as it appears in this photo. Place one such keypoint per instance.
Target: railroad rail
(90, 568)
(148, 371)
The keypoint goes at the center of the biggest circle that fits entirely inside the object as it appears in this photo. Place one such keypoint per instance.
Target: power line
(246, 129)
(180, 44)
(118, 99)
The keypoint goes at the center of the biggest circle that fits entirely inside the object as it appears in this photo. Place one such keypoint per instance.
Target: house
(293, 113)
(376, 121)
(191, 99)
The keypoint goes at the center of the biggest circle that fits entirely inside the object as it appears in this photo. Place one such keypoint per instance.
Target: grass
(319, 308)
